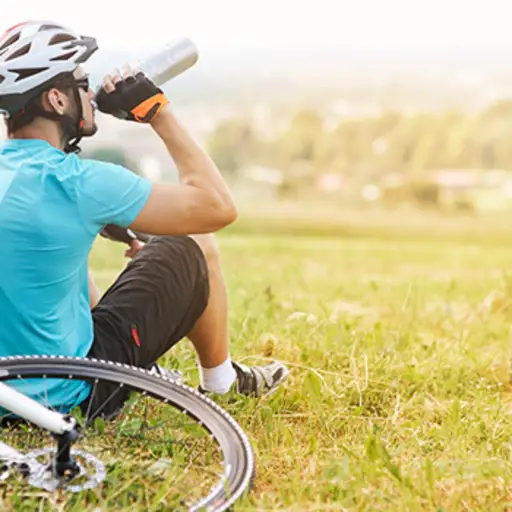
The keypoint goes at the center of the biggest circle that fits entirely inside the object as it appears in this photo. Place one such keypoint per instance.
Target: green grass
(399, 350)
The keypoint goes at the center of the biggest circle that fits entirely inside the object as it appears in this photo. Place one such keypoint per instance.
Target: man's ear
(54, 101)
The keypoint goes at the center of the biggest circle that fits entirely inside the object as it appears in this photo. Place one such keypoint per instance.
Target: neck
(41, 129)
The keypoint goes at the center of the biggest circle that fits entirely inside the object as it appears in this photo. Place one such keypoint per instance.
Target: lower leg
(210, 339)
(210, 333)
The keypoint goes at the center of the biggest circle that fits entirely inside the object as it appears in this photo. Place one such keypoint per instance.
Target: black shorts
(152, 305)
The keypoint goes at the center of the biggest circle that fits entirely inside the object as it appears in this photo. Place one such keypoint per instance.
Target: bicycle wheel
(192, 448)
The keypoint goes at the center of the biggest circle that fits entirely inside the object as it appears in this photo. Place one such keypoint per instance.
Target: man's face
(86, 97)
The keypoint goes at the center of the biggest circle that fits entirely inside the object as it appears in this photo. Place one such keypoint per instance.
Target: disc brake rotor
(91, 471)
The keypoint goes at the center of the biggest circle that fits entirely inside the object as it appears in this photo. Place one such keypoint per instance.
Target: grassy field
(399, 353)
(399, 348)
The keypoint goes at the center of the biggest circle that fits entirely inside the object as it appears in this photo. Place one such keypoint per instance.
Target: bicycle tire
(236, 449)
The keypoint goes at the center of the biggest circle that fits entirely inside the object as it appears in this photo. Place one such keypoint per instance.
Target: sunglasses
(83, 83)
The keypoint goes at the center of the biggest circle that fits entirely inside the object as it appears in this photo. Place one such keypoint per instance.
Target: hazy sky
(283, 24)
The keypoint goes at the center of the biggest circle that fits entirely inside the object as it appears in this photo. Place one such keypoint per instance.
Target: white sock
(219, 379)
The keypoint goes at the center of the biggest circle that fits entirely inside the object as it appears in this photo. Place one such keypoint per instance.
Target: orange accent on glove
(146, 111)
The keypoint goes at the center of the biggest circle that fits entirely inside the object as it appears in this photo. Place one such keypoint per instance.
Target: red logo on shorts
(135, 335)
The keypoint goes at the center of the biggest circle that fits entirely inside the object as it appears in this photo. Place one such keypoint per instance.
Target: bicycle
(216, 438)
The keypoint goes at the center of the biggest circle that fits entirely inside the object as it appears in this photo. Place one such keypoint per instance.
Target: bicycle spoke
(91, 399)
(43, 399)
(106, 401)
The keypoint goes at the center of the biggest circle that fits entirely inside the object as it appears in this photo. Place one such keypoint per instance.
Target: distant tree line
(391, 142)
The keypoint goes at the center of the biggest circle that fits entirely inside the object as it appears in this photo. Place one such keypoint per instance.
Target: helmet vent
(66, 56)
(26, 73)
(11, 40)
(21, 51)
(61, 38)
(49, 27)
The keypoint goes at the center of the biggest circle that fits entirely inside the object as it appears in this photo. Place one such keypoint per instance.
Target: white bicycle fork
(32, 411)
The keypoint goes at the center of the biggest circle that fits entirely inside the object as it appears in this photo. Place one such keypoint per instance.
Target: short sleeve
(108, 193)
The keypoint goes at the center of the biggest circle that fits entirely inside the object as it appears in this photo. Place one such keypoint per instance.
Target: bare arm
(94, 294)
(200, 203)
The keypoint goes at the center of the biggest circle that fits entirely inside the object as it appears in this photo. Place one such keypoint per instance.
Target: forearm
(195, 167)
(94, 294)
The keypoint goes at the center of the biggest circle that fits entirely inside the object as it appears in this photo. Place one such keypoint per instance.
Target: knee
(210, 248)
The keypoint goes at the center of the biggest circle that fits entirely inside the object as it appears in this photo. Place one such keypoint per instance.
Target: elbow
(229, 214)
(224, 213)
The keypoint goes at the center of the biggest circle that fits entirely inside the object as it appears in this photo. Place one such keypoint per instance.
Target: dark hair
(34, 108)
(25, 116)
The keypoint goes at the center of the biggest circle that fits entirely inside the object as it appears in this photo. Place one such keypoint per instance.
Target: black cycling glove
(136, 98)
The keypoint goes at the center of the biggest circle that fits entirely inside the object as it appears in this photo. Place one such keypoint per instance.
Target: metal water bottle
(170, 61)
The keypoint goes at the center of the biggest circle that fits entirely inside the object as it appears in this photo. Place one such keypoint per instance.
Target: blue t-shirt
(52, 207)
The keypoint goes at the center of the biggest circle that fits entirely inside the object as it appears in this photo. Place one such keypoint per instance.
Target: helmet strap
(75, 136)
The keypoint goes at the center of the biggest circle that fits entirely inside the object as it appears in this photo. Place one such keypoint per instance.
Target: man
(53, 205)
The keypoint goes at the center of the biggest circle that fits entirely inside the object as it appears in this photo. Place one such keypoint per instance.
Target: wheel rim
(234, 446)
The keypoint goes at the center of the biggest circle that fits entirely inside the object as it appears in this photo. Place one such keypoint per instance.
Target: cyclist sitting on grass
(53, 205)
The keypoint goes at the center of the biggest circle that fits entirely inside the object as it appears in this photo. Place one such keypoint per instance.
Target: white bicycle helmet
(32, 55)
